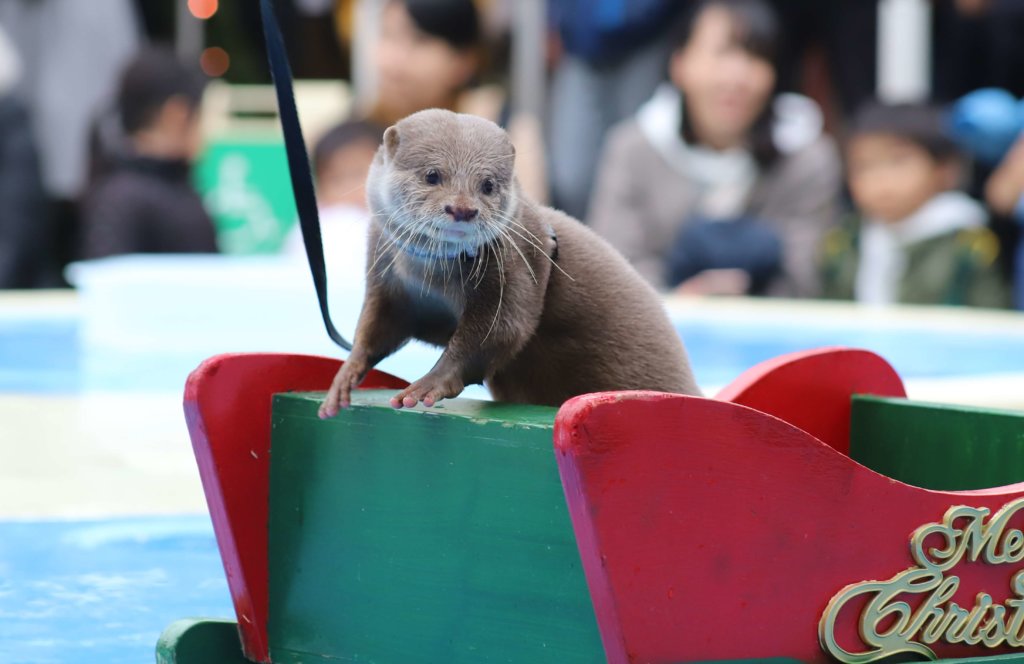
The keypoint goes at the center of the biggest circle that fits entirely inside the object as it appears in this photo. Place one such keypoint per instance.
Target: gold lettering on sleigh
(888, 625)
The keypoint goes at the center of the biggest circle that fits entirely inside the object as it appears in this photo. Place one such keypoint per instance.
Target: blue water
(720, 352)
(44, 355)
(103, 591)
(39, 355)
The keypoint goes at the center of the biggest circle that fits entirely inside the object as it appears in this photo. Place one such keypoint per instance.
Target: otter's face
(449, 187)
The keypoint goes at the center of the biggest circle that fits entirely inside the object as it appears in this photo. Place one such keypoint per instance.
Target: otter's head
(442, 183)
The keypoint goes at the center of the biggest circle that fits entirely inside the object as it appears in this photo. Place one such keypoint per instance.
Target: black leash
(298, 164)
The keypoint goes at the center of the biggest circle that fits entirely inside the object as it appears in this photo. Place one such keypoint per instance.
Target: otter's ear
(391, 142)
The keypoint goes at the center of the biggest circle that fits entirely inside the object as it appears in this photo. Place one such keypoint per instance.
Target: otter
(521, 297)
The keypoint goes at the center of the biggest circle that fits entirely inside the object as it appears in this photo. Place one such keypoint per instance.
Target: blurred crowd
(725, 147)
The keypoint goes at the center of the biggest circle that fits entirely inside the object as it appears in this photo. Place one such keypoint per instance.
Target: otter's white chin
(445, 240)
(458, 232)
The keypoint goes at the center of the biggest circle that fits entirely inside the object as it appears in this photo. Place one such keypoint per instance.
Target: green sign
(245, 185)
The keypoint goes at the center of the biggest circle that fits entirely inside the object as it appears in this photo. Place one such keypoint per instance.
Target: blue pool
(45, 355)
(102, 591)
(39, 355)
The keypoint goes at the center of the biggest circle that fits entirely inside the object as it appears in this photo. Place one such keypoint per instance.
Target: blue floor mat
(102, 591)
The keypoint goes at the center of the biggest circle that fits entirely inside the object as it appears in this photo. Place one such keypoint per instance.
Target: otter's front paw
(430, 389)
(340, 394)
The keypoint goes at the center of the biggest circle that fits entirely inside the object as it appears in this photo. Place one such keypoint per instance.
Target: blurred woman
(427, 55)
(716, 186)
(430, 54)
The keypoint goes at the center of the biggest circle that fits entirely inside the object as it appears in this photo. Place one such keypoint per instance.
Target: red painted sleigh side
(709, 530)
(811, 389)
(227, 408)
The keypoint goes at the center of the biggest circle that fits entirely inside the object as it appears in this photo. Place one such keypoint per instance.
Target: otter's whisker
(511, 220)
(462, 277)
(480, 267)
(544, 253)
(390, 238)
(524, 234)
(407, 231)
(512, 243)
(501, 297)
(482, 273)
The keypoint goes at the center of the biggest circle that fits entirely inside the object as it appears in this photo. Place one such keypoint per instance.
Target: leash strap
(298, 164)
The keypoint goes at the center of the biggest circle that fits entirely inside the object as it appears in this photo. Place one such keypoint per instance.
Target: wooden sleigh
(809, 512)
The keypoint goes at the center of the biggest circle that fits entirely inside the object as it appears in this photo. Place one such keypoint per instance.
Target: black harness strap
(554, 239)
(298, 164)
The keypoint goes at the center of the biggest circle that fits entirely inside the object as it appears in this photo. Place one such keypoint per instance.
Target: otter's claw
(429, 390)
(340, 394)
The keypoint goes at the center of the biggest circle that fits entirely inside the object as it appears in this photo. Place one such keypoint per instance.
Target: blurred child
(913, 238)
(143, 200)
(341, 161)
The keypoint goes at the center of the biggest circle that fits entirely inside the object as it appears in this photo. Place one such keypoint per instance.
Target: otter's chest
(433, 307)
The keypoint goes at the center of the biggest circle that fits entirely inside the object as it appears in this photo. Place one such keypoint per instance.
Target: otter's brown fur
(522, 297)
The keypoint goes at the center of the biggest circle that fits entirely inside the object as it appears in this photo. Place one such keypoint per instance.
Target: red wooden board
(708, 530)
(812, 389)
(227, 408)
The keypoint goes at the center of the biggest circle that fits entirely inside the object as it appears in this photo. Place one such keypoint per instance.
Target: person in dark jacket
(613, 55)
(142, 200)
(26, 234)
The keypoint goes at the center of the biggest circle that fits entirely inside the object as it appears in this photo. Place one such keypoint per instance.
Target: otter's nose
(461, 213)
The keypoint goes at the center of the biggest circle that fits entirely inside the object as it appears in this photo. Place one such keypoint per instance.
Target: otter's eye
(487, 187)
(432, 177)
